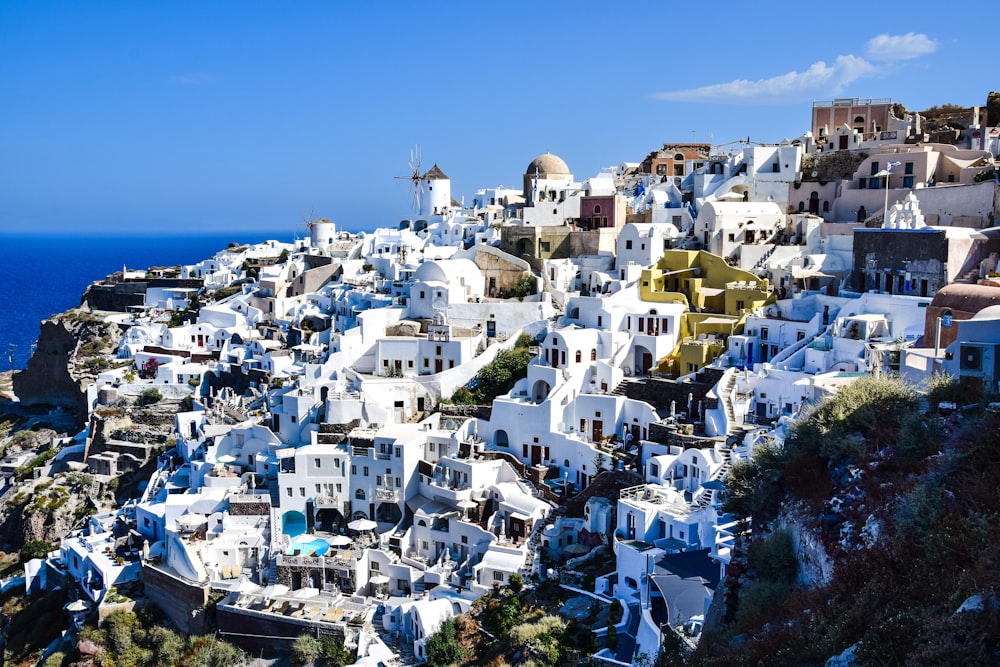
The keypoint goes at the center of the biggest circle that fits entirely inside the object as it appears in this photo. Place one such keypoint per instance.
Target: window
(593, 354)
(908, 168)
(360, 494)
(874, 184)
(465, 539)
(354, 470)
(862, 185)
(399, 452)
(628, 244)
(432, 446)
(799, 335)
(763, 333)
(579, 356)
(874, 168)
(451, 363)
(740, 305)
(907, 181)
(375, 565)
(378, 480)
(288, 492)
(339, 488)
(399, 482)
(497, 576)
(437, 350)
(366, 471)
(597, 208)
(543, 246)
(600, 320)
(302, 491)
(318, 488)
(421, 294)
(317, 462)
(661, 170)
(427, 362)
(409, 363)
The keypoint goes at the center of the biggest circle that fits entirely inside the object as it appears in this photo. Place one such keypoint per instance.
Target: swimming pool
(308, 545)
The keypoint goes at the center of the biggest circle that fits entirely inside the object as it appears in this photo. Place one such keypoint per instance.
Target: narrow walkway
(626, 640)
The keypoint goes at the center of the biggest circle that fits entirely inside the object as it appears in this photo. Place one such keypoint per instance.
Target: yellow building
(718, 297)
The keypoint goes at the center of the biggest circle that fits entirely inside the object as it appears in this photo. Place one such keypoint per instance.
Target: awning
(718, 320)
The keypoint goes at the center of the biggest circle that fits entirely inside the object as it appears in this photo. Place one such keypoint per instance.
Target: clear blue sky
(211, 116)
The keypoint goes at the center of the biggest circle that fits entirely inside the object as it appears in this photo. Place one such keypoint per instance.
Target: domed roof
(547, 164)
(966, 298)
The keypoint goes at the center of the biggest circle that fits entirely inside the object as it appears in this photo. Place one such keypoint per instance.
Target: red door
(598, 430)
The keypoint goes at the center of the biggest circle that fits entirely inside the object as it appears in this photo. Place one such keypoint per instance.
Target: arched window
(826, 207)
(859, 120)
(579, 356)
(597, 208)
(360, 494)
(679, 156)
(593, 354)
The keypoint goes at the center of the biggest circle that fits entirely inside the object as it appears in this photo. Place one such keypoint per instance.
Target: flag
(893, 164)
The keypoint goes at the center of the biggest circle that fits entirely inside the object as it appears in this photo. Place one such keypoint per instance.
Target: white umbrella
(339, 540)
(77, 606)
(306, 593)
(379, 579)
(362, 525)
(243, 585)
(274, 590)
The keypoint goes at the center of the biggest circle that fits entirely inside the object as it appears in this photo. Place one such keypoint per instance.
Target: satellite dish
(815, 173)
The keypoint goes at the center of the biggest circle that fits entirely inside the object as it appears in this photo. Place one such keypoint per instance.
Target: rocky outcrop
(72, 349)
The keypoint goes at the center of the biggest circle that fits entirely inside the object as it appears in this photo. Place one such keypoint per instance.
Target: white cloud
(193, 79)
(900, 47)
(819, 79)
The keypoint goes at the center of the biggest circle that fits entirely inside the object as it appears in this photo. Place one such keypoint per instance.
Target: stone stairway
(703, 498)
(726, 396)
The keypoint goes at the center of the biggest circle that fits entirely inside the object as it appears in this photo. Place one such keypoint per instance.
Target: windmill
(416, 185)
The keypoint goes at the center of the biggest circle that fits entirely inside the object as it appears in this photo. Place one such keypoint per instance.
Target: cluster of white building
(318, 469)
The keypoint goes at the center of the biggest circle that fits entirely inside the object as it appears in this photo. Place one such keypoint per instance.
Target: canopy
(362, 524)
(379, 579)
(274, 590)
(340, 540)
(306, 593)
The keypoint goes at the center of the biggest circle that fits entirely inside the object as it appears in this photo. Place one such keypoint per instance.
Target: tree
(516, 582)
(442, 649)
(35, 549)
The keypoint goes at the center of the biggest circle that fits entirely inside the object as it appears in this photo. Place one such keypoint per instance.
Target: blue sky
(150, 117)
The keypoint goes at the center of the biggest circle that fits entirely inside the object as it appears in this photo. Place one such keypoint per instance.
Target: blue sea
(49, 274)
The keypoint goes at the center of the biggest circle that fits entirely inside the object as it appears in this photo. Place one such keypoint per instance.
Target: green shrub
(442, 649)
(35, 549)
(615, 612)
(773, 557)
(150, 396)
(305, 650)
(516, 582)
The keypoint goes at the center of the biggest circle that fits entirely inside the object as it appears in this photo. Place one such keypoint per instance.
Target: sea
(49, 274)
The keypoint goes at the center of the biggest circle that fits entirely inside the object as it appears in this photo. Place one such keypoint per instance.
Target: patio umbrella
(339, 540)
(306, 593)
(243, 585)
(362, 525)
(274, 590)
(379, 579)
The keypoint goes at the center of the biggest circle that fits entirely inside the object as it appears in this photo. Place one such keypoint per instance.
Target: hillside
(876, 536)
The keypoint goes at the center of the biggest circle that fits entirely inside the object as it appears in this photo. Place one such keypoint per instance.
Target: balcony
(386, 495)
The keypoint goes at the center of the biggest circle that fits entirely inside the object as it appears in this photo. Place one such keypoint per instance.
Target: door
(598, 430)
(555, 357)
(761, 410)
(843, 142)
(438, 365)
(536, 455)
(647, 361)
(491, 328)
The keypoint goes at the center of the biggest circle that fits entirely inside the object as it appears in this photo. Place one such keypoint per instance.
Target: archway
(540, 391)
(329, 519)
(500, 439)
(526, 247)
(388, 513)
(643, 360)
(293, 523)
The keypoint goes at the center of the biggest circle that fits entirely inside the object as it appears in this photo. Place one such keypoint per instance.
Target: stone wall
(256, 632)
(183, 602)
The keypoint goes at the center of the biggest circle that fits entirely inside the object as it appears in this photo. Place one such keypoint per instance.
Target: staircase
(765, 257)
(726, 396)
(703, 498)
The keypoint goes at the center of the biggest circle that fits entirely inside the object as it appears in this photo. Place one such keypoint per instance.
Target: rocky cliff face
(72, 349)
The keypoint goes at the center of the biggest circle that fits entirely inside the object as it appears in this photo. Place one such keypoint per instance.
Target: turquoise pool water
(307, 545)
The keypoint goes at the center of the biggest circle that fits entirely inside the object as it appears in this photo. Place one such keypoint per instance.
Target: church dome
(547, 164)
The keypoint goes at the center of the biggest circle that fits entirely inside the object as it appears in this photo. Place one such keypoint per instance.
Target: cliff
(73, 347)
(875, 537)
